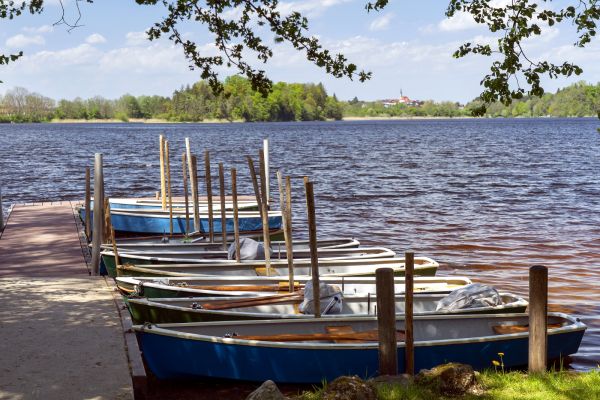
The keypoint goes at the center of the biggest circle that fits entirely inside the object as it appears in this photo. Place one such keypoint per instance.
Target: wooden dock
(61, 335)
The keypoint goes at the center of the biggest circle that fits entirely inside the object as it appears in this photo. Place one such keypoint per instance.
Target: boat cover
(331, 299)
(249, 250)
(474, 295)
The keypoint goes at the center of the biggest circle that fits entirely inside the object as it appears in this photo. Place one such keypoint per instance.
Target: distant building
(402, 100)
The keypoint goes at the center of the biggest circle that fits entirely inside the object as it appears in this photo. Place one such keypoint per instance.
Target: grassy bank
(501, 386)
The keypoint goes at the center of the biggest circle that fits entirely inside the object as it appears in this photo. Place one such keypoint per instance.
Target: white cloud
(382, 22)
(459, 22)
(20, 41)
(38, 29)
(95, 38)
(136, 38)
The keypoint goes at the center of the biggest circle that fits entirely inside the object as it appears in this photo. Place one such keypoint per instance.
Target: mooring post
(265, 212)
(287, 227)
(163, 184)
(254, 183)
(236, 222)
(386, 321)
(222, 198)
(267, 170)
(192, 167)
(538, 319)
(409, 341)
(169, 187)
(2, 211)
(211, 227)
(88, 203)
(289, 244)
(98, 213)
(312, 237)
(185, 195)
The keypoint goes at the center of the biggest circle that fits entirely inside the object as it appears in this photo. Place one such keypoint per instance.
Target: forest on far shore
(286, 102)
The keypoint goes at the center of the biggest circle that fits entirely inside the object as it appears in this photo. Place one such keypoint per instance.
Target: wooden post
(265, 212)
(287, 234)
(107, 221)
(88, 203)
(194, 178)
(222, 196)
(254, 183)
(169, 191)
(236, 222)
(409, 341)
(386, 321)
(267, 169)
(87, 210)
(98, 214)
(192, 167)
(157, 195)
(163, 186)
(185, 195)
(312, 237)
(538, 319)
(211, 227)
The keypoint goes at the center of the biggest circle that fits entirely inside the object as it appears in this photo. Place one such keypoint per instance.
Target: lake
(486, 198)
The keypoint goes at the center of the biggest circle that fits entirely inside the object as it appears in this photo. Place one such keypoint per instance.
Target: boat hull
(172, 357)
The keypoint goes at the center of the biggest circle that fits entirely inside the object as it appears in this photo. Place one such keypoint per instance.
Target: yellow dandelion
(496, 363)
(501, 354)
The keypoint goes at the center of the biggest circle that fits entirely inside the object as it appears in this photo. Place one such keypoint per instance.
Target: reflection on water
(487, 198)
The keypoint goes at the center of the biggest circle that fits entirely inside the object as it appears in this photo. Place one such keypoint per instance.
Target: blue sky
(406, 46)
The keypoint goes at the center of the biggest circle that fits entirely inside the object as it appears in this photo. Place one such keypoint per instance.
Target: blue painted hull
(160, 224)
(171, 357)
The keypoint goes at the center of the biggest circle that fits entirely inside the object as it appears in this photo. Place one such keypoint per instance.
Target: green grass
(502, 386)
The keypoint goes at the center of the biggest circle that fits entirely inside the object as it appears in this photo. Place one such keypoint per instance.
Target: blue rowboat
(136, 221)
(313, 351)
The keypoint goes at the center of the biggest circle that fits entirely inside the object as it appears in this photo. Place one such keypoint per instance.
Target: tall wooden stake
(265, 213)
(185, 195)
(255, 183)
(169, 191)
(312, 237)
(538, 319)
(163, 185)
(236, 222)
(194, 178)
(211, 227)
(98, 213)
(386, 321)
(192, 167)
(87, 211)
(267, 169)
(286, 233)
(409, 272)
(88, 205)
(222, 196)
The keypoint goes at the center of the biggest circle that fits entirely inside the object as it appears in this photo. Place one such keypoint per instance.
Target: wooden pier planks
(41, 240)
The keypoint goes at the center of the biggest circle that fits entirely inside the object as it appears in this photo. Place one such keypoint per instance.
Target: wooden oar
(508, 329)
(247, 288)
(347, 337)
(254, 301)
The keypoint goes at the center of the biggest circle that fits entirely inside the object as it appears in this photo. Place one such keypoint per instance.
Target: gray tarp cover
(331, 299)
(249, 250)
(471, 296)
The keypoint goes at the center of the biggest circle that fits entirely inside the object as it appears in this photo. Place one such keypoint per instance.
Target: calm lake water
(486, 198)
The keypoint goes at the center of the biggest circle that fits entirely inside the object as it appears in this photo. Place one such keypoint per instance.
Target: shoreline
(224, 121)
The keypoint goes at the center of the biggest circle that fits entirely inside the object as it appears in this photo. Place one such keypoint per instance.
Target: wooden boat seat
(507, 329)
(336, 334)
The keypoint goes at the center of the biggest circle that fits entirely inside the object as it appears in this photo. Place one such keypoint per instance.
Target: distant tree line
(286, 102)
(238, 102)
